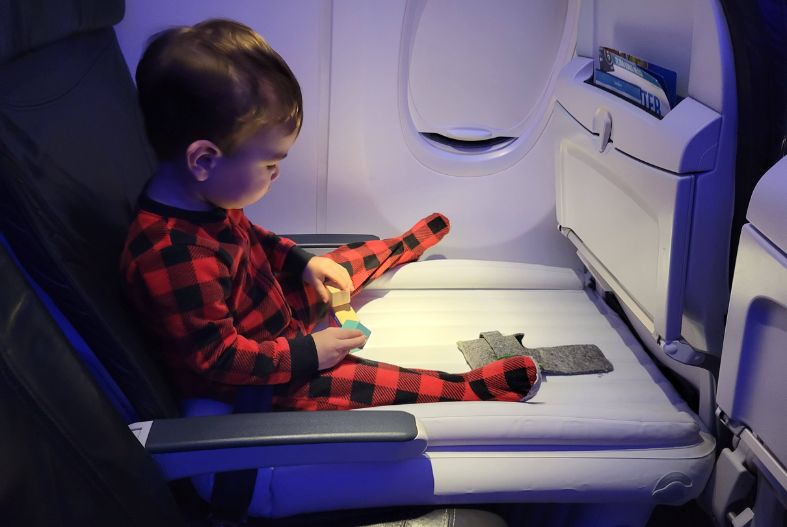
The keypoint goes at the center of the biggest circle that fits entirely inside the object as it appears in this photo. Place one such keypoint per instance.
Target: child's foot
(510, 379)
(426, 233)
(536, 384)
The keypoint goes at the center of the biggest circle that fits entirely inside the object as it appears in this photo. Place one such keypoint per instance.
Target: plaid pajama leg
(365, 261)
(358, 383)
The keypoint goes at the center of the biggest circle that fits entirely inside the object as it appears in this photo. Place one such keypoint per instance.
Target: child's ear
(201, 158)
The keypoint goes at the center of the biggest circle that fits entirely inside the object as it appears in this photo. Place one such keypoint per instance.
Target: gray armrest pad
(197, 445)
(278, 428)
(307, 241)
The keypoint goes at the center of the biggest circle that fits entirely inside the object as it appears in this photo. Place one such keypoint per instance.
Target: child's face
(244, 177)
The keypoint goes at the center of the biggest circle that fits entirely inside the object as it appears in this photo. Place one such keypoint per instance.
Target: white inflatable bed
(622, 440)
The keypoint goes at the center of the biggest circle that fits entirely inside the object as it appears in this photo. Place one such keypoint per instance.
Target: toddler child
(229, 303)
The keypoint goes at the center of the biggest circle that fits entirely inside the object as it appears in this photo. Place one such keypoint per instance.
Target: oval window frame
(463, 159)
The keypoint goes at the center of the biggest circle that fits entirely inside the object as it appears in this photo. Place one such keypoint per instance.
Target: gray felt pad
(477, 352)
(574, 359)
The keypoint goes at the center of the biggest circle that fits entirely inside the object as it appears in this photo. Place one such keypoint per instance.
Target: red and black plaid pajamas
(226, 302)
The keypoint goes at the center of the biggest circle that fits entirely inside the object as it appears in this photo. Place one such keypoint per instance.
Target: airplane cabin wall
(384, 174)
(350, 170)
(360, 165)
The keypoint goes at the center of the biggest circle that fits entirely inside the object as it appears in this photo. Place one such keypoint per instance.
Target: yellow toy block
(345, 313)
(338, 297)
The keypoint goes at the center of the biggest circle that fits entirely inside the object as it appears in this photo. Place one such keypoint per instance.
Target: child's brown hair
(217, 80)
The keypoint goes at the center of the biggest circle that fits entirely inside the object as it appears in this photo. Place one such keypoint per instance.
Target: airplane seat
(73, 159)
(67, 455)
(751, 394)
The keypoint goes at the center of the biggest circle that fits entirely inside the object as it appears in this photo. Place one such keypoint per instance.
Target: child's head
(217, 98)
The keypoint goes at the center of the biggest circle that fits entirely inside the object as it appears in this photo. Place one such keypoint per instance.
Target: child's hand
(320, 270)
(333, 344)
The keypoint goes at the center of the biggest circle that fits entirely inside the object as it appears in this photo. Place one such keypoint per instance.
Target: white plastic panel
(711, 78)
(768, 205)
(660, 32)
(752, 390)
(631, 218)
(141, 430)
(692, 39)
(685, 140)
(473, 63)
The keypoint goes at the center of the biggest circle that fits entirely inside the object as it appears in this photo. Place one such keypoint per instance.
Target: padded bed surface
(632, 406)
(623, 438)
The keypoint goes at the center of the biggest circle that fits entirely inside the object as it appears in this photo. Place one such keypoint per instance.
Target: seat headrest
(767, 210)
(26, 25)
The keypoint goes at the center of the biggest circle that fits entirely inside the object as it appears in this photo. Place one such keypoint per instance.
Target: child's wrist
(303, 355)
(297, 260)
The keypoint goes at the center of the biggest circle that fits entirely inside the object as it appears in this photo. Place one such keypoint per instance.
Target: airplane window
(476, 78)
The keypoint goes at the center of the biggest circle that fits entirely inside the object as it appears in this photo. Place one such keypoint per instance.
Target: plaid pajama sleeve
(188, 287)
(283, 254)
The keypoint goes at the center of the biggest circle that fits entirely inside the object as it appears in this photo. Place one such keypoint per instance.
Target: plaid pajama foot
(358, 383)
(366, 261)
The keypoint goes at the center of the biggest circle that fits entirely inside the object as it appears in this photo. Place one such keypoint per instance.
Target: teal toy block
(350, 324)
(354, 324)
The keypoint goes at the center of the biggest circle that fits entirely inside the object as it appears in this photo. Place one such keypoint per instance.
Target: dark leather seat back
(73, 158)
(67, 458)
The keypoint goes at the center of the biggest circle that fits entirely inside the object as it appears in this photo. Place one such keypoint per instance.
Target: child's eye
(270, 167)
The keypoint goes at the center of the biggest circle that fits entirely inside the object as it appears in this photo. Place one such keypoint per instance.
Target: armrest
(218, 443)
(328, 241)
